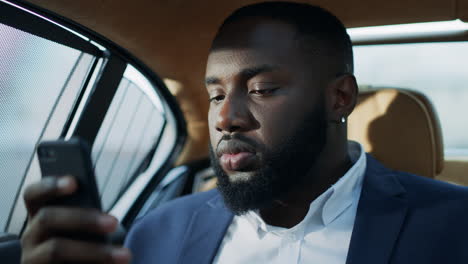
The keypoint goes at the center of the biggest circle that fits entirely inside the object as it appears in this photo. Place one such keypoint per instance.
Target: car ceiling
(172, 37)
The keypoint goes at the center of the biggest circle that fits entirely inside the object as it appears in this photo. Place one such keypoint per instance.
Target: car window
(130, 130)
(40, 80)
(436, 69)
(59, 83)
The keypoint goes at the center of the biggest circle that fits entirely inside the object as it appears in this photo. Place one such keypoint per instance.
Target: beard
(282, 168)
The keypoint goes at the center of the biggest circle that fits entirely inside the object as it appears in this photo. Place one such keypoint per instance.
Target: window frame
(43, 28)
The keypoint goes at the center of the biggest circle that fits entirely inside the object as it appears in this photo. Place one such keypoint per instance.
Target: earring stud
(343, 119)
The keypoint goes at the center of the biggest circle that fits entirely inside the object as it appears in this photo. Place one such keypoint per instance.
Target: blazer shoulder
(164, 228)
(421, 188)
(182, 207)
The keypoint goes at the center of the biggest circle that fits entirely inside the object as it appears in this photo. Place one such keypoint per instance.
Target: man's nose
(234, 116)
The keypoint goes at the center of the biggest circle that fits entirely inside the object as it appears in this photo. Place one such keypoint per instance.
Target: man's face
(267, 113)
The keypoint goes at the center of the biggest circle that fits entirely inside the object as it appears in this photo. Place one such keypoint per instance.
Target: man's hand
(45, 241)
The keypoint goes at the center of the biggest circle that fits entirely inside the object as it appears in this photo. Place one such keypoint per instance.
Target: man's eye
(217, 98)
(263, 91)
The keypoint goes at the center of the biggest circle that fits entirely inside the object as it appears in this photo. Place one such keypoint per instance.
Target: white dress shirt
(322, 237)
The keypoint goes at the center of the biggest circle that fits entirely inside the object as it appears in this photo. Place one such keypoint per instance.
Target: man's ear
(342, 95)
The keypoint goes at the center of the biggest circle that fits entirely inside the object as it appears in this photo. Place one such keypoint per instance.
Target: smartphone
(72, 157)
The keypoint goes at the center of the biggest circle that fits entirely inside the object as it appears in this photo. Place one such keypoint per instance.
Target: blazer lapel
(381, 211)
(205, 233)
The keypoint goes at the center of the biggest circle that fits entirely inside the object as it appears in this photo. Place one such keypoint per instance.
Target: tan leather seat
(400, 128)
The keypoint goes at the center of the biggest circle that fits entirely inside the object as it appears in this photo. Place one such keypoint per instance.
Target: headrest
(400, 128)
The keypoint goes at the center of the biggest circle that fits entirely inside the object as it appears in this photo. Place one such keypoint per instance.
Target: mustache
(231, 144)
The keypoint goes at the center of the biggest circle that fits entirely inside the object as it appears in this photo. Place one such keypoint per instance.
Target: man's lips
(237, 161)
(237, 154)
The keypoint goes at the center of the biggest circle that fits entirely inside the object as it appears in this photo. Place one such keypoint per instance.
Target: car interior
(127, 76)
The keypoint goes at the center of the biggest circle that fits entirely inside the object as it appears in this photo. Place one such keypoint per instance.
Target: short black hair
(311, 22)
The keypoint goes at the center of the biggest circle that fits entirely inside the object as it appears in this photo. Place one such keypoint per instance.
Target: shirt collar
(330, 204)
(348, 188)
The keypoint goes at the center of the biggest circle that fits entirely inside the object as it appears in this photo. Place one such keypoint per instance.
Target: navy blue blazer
(401, 218)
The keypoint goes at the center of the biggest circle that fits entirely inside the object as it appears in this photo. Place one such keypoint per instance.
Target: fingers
(49, 188)
(61, 250)
(51, 221)
(44, 240)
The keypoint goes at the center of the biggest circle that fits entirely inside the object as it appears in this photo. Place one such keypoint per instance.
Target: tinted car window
(130, 130)
(39, 77)
(58, 80)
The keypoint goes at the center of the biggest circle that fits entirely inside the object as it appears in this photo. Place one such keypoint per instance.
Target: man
(291, 188)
